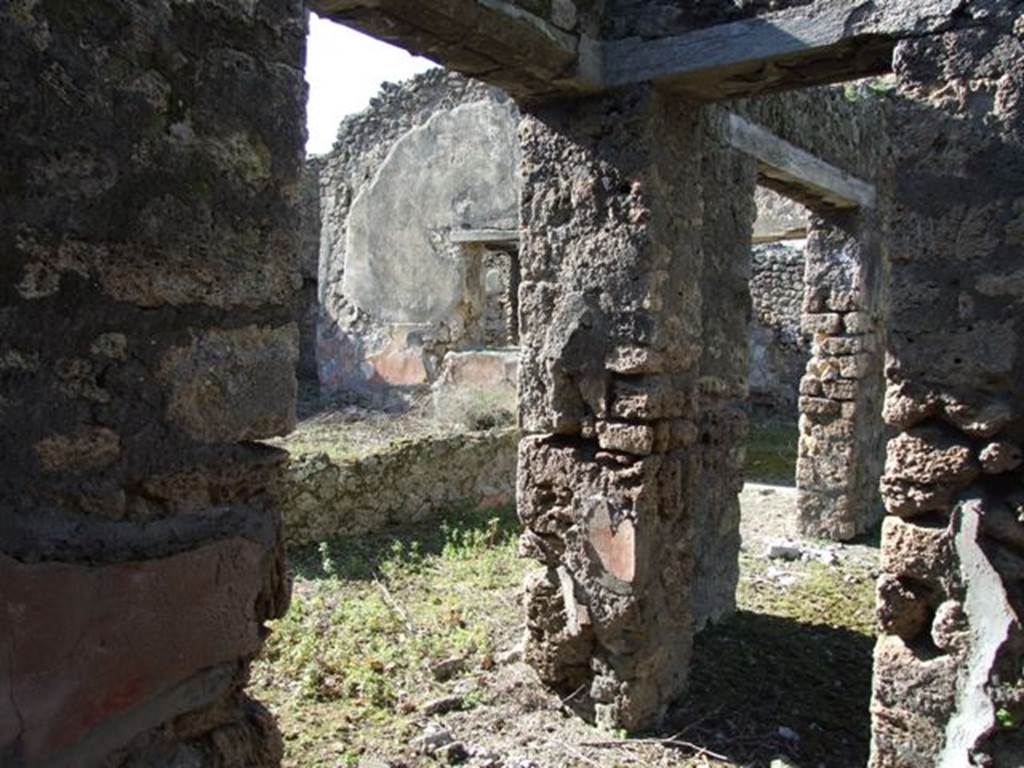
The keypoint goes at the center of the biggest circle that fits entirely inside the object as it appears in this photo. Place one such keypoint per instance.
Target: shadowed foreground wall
(149, 158)
(948, 688)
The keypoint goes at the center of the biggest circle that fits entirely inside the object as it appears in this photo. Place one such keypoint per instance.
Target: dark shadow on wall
(764, 687)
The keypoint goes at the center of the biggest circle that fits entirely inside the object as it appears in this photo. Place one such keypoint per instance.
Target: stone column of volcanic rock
(148, 163)
(841, 428)
(309, 260)
(611, 357)
(948, 688)
(729, 180)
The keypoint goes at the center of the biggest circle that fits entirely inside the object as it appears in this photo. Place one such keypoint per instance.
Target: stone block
(827, 323)
(636, 439)
(931, 457)
(857, 323)
(631, 360)
(648, 399)
(908, 499)
(843, 301)
(917, 552)
(913, 698)
(841, 390)
(810, 386)
(87, 450)
(1001, 456)
(845, 345)
(854, 366)
(819, 407)
(902, 607)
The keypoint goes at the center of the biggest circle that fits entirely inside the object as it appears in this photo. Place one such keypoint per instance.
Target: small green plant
(327, 563)
(1006, 719)
(870, 88)
(372, 615)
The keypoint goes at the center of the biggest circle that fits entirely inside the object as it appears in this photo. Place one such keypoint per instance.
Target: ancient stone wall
(948, 687)
(842, 434)
(848, 134)
(149, 160)
(429, 157)
(728, 211)
(778, 350)
(611, 392)
(411, 480)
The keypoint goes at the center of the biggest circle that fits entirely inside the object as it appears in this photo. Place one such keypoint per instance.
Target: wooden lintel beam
(796, 172)
(808, 45)
(486, 236)
(534, 59)
(492, 40)
(778, 236)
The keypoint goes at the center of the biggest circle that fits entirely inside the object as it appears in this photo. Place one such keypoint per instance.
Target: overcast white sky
(344, 70)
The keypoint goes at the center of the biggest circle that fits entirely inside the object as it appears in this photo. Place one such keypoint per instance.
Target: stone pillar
(149, 159)
(729, 182)
(610, 382)
(948, 687)
(841, 430)
(309, 262)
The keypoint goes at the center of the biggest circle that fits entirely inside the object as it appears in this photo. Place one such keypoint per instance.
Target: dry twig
(393, 604)
(671, 741)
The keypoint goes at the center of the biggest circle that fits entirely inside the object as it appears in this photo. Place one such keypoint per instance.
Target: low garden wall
(408, 480)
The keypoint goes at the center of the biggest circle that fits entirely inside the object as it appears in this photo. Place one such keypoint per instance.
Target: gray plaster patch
(990, 617)
(456, 171)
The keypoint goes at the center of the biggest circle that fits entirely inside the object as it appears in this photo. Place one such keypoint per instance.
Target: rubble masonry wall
(148, 168)
(611, 392)
(948, 688)
(778, 350)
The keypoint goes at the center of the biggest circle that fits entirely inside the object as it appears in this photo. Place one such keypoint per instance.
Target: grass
(794, 658)
(772, 451)
(371, 617)
(350, 666)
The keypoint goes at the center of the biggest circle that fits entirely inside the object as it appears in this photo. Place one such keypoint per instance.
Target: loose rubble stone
(433, 738)
(443, 705)
(447, 669)
(410, 480)
(784, 551)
